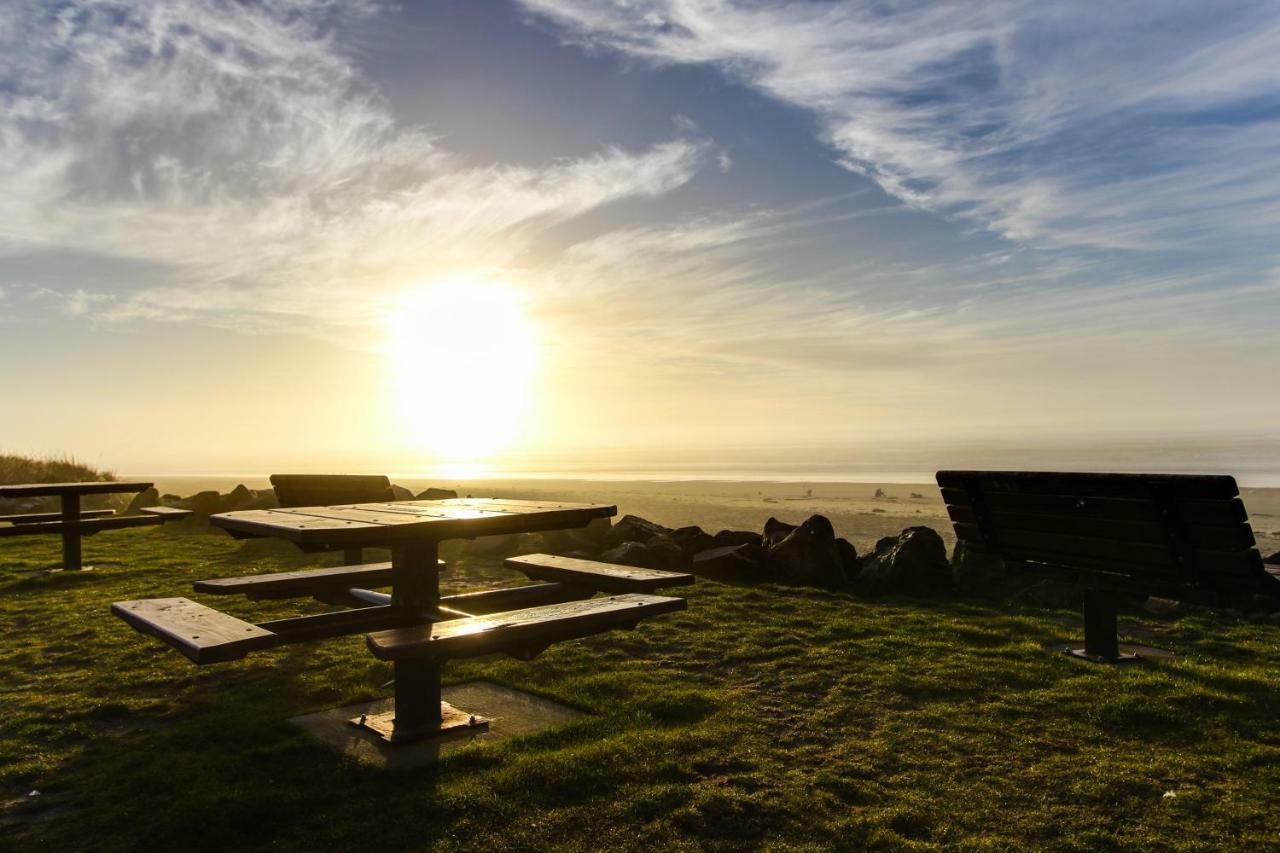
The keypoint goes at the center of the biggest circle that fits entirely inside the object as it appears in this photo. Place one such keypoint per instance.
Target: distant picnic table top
(391, 522)
(96, 487)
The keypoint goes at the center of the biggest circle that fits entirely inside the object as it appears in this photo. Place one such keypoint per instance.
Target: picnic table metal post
(71, 553)
(415, 589)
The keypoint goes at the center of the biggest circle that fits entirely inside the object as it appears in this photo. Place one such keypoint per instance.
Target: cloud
(1149, 127)
(238, 145)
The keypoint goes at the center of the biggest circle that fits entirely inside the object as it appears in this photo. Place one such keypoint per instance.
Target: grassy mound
(50, 469)
(761, 716)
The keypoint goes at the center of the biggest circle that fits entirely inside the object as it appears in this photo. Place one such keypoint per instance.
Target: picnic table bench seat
(36, 517)
(201, 633)
(606, 577)
(166, 513)
(522, 633)
(86, 527)
(303, 582)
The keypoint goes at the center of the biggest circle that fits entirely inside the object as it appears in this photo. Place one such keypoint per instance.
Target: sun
(463, 356)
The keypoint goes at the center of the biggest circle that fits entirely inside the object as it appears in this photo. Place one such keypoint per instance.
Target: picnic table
(414, 627)
(72, 523)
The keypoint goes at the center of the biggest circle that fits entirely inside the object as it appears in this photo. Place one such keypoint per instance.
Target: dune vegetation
(761, 716)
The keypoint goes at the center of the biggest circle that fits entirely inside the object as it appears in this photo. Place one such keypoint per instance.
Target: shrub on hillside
(48, 469)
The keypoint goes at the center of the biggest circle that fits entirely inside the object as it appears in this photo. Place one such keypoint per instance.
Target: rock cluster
(207, 503)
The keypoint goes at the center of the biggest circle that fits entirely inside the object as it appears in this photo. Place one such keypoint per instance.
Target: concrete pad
(1149, 654)
(511, 713)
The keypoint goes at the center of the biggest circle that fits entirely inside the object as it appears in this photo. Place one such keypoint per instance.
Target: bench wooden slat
(302, 582)
(326, 489)
(86, 528)
(1076, 485)
(1213, 537)
(94, 487)
(167, 513)
(201, 633)
(36, 517)
(517, 630)
(1201, 513)
(606, 577)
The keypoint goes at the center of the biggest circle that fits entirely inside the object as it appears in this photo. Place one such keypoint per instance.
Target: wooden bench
(1185, 537)
(522, 633)
(166, 513)
(35, 517)
(605, 577)
(201, 633)
(88, 527)
(295, 490)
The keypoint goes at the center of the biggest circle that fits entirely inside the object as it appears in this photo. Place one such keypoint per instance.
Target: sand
(715, 505)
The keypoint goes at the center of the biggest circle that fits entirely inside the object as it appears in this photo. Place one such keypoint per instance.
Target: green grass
(761, 716)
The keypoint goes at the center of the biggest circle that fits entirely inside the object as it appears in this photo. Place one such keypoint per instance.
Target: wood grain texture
(390, 523)
(84, 528)
(325, 489)
(201, 633)
(605, 577)
(517, 631)
(302, 582)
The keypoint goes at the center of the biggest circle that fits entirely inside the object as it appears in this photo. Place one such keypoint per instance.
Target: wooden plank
(201, 633)
(104, 487)
(343, 623)
(1221, 538)
(85, 528)
(517, 631)
(35, 517)
(457, 523)
(513, 598)
(1124, 486)
(301, 583)
(606, 577)
(1202, 513)
(168, 513)
(325, 489)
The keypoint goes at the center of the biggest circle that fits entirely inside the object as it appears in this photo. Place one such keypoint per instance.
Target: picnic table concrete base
(510, 713)
(452, 723)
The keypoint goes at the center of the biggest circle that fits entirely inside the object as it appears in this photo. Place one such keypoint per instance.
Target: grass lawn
(761, 716)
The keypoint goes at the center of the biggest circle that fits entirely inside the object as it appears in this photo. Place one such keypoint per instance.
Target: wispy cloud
(238, 145)
(1141, 126)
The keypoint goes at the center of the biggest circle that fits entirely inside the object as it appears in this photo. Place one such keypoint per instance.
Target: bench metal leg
(1101, 632)
(71, 556)
(419, 713)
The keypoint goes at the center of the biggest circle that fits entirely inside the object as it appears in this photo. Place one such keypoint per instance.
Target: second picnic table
(415, 628)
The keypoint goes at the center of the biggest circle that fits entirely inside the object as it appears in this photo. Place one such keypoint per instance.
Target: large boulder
(1273, 560)
(808, 555)
(633, 528)
(400, 493)
(202, 504)
(146, 497)
(746, 562)
(775, 531)
(567, 542)
(913, 562)
(658, 553)
(493, 547)
(265, 499)
(738, 537)
(435, 495)
(848, 558)
(241, 497)
(692, 541)
(975, 571)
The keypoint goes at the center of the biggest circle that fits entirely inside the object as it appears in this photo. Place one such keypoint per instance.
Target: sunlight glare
(463, 358)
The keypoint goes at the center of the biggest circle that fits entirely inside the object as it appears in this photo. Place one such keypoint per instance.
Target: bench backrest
(330, 489)
(1160, 533)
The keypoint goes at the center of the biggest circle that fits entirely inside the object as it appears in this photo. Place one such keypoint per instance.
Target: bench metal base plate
(452, 722)
(1081, 654)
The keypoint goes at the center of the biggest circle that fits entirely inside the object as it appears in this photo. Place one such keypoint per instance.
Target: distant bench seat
(522, 633)
(90, 526)
(36, 517)
(606, 577)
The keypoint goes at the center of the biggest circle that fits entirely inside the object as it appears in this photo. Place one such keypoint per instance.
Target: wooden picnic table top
(97, 487)
(395, 522)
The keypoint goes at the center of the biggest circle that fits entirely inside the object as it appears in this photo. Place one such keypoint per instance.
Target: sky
(373, 236)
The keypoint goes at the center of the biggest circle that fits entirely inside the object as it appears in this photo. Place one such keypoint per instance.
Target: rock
(1164, 606)
(916, 496)
(692, 540)
(435, 495)
(202, 504)
(976, 571)
(633, 528)
(808, 555)
(658, 553)
(264, 499)
(147, 497)
(170, 498)
(567, 543)
(597, 530)
(738, 537)
(400, 493)
(238, 498)
(775, 531)
(848, 558)
(914, 562)
(880, 495)
(1050, 593)
(1273, 560)
(744, 562)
